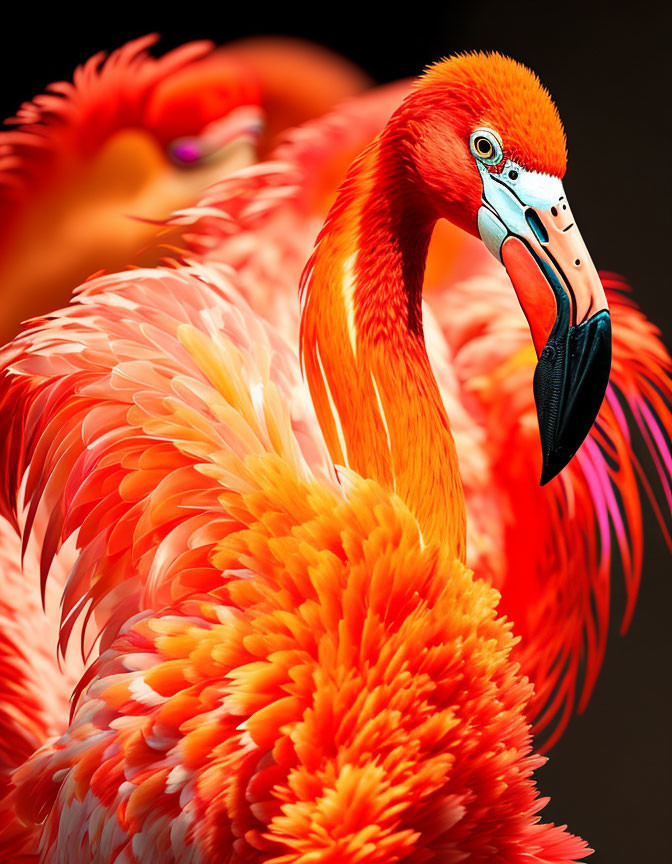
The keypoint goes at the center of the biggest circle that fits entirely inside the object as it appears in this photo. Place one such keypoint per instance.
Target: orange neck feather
(363, 347)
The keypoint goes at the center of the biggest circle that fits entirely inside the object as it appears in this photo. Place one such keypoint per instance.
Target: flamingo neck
(363, 346)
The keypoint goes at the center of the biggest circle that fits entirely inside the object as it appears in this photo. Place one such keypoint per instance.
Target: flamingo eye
(185, 151)
(486, 146)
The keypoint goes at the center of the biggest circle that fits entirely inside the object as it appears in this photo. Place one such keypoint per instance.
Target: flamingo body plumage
(278, 702)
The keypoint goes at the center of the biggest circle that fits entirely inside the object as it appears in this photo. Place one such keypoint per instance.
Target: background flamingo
(91, 166)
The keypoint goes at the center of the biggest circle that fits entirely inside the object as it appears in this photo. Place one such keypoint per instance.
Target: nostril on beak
(537, 226)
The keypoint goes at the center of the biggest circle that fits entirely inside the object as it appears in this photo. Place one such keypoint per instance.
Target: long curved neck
(363, 347)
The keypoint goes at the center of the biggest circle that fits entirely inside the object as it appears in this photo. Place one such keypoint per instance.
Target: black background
(608, 69)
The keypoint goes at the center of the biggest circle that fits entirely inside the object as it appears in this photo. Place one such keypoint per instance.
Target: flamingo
(295, 666)
(92, 166)
(638, 348)
(554, 572)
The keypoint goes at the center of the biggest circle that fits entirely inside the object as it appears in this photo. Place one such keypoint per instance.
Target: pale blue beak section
(512, 201)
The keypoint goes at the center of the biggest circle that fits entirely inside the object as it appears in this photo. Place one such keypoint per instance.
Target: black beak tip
(569, 385)
(552, 465)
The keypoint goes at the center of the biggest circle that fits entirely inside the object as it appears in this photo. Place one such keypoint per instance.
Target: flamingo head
(96, 167)
(489, 153)
(205, 111)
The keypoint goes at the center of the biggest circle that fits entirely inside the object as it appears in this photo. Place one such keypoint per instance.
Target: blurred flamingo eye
(486, 146)
(185, 151)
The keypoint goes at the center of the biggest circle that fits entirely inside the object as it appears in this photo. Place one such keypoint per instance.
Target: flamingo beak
(525, 221)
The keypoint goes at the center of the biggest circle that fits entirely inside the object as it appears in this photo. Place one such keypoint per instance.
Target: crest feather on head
(495, 91)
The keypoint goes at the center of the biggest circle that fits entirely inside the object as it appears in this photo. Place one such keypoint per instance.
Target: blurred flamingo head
(487, 151)
(204, 110)
(97, 166)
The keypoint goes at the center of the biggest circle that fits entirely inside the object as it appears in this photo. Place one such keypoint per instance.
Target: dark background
(608, 69)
